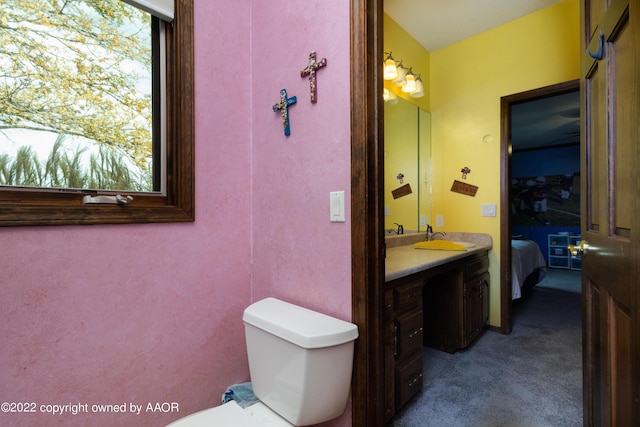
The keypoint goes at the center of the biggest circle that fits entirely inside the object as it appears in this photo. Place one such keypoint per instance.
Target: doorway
(561, 139)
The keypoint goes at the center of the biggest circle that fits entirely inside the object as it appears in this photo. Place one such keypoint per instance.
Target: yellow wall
(406, 48)
(466, 83)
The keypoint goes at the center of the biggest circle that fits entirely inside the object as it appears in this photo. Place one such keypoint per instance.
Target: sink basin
(443, 245)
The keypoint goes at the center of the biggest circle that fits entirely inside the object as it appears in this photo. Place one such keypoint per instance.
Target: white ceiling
(439, 23)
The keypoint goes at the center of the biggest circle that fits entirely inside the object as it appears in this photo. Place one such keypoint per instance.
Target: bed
(528, 266)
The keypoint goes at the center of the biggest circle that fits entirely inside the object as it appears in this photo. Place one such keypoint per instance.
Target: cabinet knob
(415, 380)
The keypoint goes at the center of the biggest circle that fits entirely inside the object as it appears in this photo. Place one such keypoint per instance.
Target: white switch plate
(439, 221)
(387, 210)
(423, 220)
(336, 206)
(488, 209)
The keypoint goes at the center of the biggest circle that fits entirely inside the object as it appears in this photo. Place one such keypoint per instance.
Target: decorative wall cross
(283, 106)
(310, 71)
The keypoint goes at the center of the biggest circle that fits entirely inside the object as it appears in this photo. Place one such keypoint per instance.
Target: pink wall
(152, 313)
(298, 255)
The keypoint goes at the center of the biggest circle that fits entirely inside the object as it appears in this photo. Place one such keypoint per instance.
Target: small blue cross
(283, 106)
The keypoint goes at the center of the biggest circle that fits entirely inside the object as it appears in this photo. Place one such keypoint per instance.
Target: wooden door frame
(367, 212)
(506, 319)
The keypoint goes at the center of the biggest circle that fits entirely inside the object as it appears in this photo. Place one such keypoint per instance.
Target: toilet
(300, 363)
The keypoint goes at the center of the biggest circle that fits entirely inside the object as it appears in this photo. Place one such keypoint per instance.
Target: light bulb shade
(401, 80)
(385, 94)
(390, 70)
(392, 99)
(411, 84)
(419, 92)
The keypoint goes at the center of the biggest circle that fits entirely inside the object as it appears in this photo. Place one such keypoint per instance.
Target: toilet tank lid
(298, 325)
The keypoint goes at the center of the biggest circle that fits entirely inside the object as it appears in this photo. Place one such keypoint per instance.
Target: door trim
(367, 212)
(506, 319)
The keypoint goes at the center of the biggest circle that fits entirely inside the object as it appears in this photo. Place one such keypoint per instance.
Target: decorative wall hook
(597, 55)
(310, 71)
(283, 106)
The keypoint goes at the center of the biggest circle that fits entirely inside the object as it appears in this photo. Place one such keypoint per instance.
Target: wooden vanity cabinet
(403, 344)
(476, 308)
(444, 307)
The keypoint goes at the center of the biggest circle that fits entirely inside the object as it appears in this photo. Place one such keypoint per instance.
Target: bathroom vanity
(436, 298)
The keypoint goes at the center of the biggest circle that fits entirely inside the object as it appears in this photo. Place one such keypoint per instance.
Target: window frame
(32, 207)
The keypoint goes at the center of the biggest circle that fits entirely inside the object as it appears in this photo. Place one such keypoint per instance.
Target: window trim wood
(25, 207)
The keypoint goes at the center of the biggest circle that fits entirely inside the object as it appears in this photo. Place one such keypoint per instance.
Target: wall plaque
(401, 191)
(464, 188)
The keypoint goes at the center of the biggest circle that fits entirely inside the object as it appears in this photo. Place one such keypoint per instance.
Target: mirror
(407, 167)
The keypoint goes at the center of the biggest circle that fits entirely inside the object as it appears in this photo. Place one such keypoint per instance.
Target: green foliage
(106, 170)
(74, 68)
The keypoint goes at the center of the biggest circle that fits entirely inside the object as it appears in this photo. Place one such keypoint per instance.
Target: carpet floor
(531, 378)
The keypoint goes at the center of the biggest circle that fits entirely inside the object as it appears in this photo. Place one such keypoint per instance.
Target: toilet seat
(232, 414)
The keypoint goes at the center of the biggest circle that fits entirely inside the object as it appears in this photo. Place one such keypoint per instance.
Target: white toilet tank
(300, 360)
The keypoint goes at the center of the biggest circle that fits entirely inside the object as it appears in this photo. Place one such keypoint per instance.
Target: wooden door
(610, 223)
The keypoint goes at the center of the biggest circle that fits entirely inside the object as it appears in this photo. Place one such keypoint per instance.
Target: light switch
(488, 209)
(336, 206)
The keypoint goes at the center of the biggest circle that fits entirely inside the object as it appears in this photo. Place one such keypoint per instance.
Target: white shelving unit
(559, 256)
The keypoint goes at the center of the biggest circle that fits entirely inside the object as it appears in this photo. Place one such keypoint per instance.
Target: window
(165, 193)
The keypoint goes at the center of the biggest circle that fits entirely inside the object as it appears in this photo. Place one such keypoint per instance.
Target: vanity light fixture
(402, 77)
(389, 97)
(390, 70)
(401, 80)
(410, 87)
(419, 92)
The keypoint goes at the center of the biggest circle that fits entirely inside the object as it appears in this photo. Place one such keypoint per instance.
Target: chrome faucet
(430, 233)
(400, 228)
(442, 233)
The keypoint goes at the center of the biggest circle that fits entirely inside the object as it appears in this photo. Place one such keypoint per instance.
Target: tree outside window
(76, 97)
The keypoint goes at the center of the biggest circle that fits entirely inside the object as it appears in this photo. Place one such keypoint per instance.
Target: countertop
(403, 259)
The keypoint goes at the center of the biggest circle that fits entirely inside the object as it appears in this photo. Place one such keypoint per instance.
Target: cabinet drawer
(408, 379)
(409, 333)
(408, 296)
(476, 266)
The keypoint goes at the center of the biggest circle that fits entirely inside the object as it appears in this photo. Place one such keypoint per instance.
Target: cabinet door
(476, 308)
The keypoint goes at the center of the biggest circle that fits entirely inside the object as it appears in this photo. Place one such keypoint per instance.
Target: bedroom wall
(467, 81)
(563, 213)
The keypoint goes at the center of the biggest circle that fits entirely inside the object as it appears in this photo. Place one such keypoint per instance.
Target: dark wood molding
(22, 207)
(367, 212)
(506, 321)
